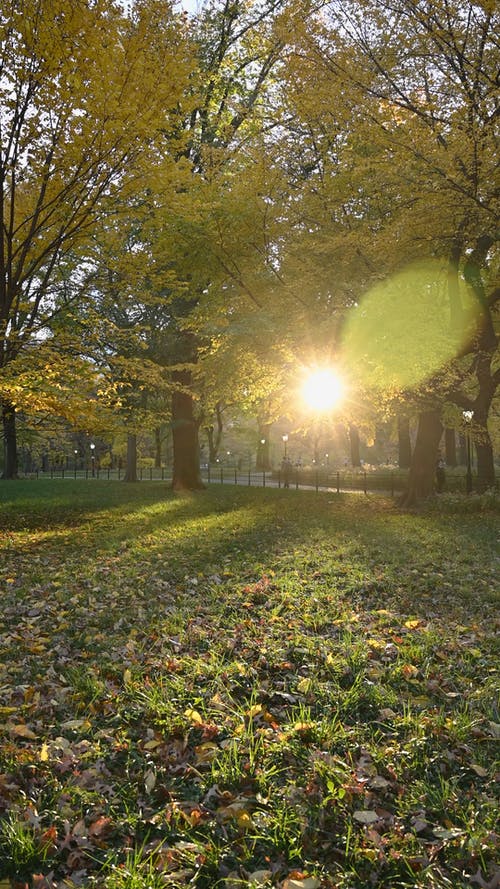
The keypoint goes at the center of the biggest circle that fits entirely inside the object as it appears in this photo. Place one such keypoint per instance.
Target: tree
(418, 84)
(240, 47)
(84, 91)
(404, 441)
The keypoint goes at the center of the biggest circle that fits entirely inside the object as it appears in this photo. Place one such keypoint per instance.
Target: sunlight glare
(402, 332)
(322, 390)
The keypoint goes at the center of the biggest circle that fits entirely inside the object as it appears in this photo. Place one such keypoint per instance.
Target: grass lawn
(245, 688)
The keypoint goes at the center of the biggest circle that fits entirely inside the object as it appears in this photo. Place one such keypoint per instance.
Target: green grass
(246, 687)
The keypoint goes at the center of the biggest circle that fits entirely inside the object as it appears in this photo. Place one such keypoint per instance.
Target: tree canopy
(251, 189)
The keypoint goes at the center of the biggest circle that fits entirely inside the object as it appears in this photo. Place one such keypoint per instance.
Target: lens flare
(402, 332)
(322, 390)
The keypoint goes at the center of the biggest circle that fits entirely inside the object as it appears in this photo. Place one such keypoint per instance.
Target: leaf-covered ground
(245, 688)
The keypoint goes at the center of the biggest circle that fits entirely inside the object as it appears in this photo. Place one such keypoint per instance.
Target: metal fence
(388, 482)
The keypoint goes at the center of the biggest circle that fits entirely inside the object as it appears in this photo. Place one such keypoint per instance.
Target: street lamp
(92, 458)
(468, 415)
(76, 457)
(285, 440)
(261, 462)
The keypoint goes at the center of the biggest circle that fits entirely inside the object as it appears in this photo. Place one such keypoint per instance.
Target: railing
(388, 482)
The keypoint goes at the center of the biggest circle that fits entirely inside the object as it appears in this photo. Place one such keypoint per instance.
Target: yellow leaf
(193, 716)
(8, 711)
(255, 710)
(152, 745)
(244, 820)
(206, 752)
(44, 753)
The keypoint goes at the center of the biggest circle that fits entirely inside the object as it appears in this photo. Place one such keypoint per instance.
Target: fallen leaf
(100, 827)
(305, 883)
(205, 752)
(152, 745)
(193, 716)
(75, 724)
(79, 829)
(22, 731)
(387, 713)
(494, 729)
(365, 816)
(149, 781)
(259, 877)
(379, 783)
(443, 833)
(494, 883)
(419, 824)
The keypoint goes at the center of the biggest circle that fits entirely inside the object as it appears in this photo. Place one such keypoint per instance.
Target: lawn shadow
(364, 550)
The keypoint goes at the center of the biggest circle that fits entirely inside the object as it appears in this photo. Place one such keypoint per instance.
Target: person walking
(440, 475)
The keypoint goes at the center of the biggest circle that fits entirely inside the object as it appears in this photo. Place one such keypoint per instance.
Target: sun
(322, 390)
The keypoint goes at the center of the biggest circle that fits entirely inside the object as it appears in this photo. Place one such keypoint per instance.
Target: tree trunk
(354, 444)
(478, 430)
(157, 437)
(263, 462)
(462, 449)
(404, 442)
(186, 472)
(10, 469)
(484, 450)
(131, 470)
(422, 477)
(450, 445)
(213, 449)
(480, 433)
(214, 435)
(316, 450)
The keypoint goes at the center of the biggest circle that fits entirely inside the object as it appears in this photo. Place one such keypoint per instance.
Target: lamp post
(76, 457)
(468, 415)
(285, 441)
(92, 458)
(261, 462)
